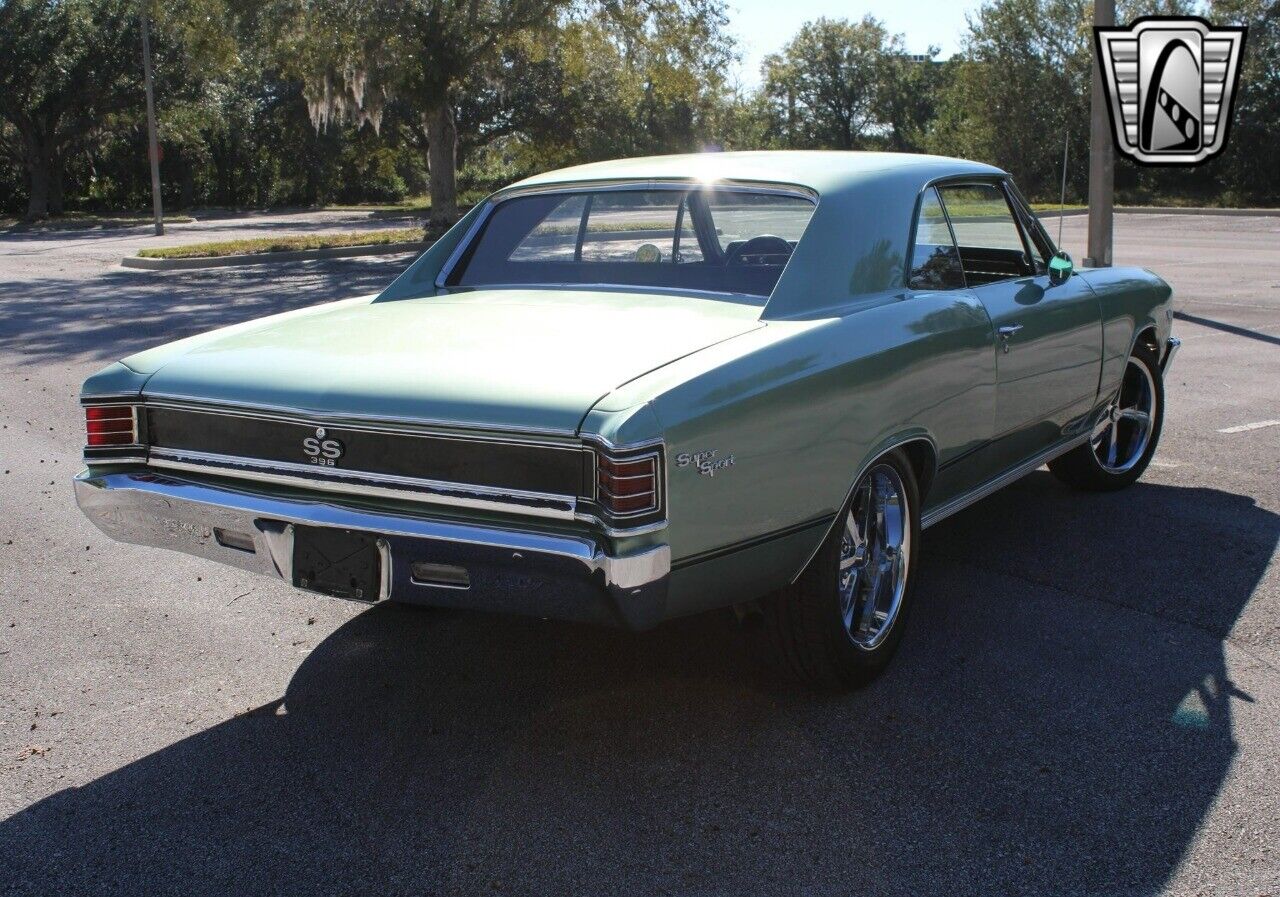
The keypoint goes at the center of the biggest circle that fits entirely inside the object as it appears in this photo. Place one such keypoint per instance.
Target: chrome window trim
(674, 184)
(753, 299)
(561, 507)
(454, 257)
(779, 188)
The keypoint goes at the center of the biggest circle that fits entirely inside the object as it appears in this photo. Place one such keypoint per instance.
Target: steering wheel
(760, 251)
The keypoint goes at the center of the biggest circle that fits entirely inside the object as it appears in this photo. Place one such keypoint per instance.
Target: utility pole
(153, 145)
(1102, 161)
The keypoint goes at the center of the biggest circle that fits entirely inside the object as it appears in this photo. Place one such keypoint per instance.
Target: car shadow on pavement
(1058, 721)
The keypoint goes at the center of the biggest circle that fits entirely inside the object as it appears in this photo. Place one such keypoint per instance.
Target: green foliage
(830, 84)
(314, 102)
(1022, 85)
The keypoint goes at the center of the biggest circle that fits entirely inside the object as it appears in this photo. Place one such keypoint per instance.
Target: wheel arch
(921, 454)
(1147, 335)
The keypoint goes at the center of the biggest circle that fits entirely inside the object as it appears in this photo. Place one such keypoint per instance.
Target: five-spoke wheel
(1125, 437)
(1120, 439)
(875, 552)
(840, 622)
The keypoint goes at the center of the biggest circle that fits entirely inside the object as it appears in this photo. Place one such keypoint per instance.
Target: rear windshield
(705, 239)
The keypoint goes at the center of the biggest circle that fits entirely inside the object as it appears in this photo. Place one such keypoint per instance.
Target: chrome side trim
(1174, 345)
(994, 485)
(306, 476)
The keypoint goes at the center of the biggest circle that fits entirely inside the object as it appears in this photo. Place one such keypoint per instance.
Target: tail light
(111, 425)
(628, 487)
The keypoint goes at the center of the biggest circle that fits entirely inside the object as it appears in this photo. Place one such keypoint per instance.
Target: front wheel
(1121, 445)
(839, 624)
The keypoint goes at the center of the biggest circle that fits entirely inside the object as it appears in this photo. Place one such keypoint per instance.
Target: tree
(353, 55)
(1246, 167)
(1023, 82)
(909, 97)
(828, 86)
(65, 66)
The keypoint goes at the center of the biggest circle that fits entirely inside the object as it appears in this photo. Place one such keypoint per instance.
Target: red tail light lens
(629, 486)
(107, 425)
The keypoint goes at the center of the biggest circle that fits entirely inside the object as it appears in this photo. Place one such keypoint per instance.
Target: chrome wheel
(875, 554)
(1121, 438)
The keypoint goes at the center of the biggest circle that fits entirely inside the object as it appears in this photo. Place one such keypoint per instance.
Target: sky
(763, 26)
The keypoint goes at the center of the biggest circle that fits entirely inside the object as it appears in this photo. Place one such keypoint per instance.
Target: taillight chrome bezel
(113, 430)
(626, 487)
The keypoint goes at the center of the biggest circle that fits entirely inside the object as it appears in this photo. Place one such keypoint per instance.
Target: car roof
(823, 171)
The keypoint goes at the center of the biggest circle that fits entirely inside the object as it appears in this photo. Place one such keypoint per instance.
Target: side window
(935, 263)
(991, 246)
(1033, 230)
(555, 237)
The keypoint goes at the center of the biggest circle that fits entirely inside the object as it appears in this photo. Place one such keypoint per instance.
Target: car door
(1048, 332)
(961, 345)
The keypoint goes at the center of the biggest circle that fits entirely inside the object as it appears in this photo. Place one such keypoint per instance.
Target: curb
(267, 258)
(1171, 210)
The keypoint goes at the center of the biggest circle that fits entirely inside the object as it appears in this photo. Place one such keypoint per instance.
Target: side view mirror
(1060, 267)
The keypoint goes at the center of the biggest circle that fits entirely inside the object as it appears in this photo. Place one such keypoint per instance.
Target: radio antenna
(1062, 197)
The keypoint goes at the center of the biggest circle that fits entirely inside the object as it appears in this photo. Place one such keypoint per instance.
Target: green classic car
(634, 390)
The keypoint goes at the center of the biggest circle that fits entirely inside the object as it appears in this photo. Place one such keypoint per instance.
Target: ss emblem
(320, 450)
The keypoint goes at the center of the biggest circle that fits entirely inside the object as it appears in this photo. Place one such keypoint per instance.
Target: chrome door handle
(1004, 333)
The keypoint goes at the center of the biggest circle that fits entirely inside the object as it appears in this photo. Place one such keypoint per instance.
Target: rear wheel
(1121, 445)
(839, 624)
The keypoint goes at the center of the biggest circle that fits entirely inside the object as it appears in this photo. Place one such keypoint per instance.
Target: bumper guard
(561, 576)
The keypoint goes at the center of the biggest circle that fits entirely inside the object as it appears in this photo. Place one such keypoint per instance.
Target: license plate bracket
(342, 563)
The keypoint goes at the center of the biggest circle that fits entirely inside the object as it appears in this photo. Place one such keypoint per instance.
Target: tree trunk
(38, 200)
(187, 191)
(56, 192)
(38, 175)
(442, 165)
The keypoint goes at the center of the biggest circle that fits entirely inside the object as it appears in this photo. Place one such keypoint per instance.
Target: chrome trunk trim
(306, 476)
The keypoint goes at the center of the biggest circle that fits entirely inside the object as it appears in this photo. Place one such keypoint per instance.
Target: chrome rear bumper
(1174, 345)
(561, 576)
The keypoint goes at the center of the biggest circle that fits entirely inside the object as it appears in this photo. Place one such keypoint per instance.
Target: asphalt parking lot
(1087, 701)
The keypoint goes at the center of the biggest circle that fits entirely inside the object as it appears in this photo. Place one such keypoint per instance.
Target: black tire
(1081, 468)
(804, 622)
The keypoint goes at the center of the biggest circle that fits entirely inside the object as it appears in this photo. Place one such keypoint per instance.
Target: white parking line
(1254, 426)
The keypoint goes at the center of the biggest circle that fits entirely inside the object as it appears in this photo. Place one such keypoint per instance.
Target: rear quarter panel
(800, 407)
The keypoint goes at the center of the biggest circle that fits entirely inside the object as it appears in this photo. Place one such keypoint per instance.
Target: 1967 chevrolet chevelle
(633, 390)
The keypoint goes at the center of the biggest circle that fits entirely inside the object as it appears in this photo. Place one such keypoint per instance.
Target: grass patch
(409, 205)
(87, 221)
(1053, 207)
(285, 244)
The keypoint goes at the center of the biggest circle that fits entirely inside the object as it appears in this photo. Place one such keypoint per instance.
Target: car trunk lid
(533, 360)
